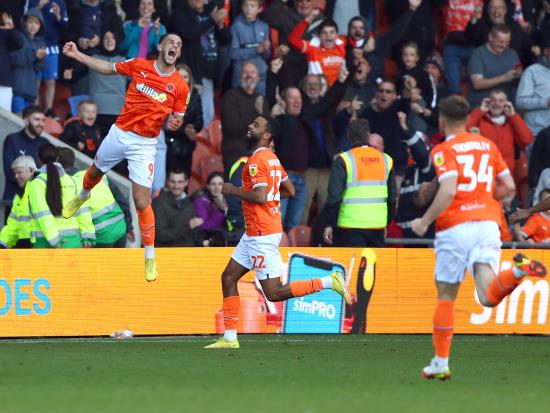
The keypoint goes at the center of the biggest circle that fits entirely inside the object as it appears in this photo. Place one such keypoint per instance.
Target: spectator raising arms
(10, 40)
(142, 35)
(325, 54)
(202, 29)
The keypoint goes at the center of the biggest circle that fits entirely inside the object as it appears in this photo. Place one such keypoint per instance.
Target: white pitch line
(195, 339)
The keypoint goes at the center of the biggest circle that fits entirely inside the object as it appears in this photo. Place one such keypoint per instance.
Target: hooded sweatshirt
(533, 95)
(24, 62)
(52, 27)
(246, 36)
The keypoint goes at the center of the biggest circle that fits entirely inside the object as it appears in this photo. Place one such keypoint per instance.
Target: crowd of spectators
(313, 65)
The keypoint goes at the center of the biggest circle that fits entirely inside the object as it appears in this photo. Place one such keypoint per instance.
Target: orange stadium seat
(300, 236)
(52, 127)
(195, 183)
(202, 149)
(215, 135)
(210, 163)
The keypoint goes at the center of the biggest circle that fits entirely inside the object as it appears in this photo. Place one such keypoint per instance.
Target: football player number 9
(484, 174)
(274, 194)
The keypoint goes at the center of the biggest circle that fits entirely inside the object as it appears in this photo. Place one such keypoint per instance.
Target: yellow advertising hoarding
(91, 292)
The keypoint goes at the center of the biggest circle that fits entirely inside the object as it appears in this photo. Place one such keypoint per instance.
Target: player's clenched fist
(174, 122)
(70, 50)
(227, 189)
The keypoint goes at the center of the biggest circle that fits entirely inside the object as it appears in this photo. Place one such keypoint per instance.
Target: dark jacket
(540, 156)
(17, 144)
(195, 28)
(419, 172)
(237, 112)
(24, 62)
(420, 29)
(79, 14)
(179, 147)
(172, 221)
(384, 45)
(10, 41)
(76, 133)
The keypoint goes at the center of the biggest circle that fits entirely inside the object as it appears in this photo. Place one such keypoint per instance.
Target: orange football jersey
(537, 228)
(476, 162)
(263, 168)
(150, 98)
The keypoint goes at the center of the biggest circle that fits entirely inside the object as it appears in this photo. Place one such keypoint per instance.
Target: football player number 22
(484, 174)
(274, 194)
(257, 262)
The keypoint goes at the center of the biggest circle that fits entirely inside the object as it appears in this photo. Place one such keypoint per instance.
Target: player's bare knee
(141, 204)
(228, 279)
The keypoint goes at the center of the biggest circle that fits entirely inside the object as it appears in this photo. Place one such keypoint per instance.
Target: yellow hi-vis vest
(241, 161)
(18, 226)
(364, 201)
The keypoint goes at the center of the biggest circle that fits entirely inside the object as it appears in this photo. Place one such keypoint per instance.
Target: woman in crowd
(211, 206)
(142, 35)
(48, 192)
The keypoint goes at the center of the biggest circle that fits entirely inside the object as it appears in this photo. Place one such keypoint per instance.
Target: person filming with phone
(497, 120)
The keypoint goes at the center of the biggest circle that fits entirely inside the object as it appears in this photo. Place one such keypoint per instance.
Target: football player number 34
(274, 194)
(483, 175)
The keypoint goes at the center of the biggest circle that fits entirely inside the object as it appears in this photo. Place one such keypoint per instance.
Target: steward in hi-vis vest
(17, 231)
(48, 192)
(362, 193)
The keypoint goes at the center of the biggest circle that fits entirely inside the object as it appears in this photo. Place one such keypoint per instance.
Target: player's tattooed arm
(257, 196)
(101, 66)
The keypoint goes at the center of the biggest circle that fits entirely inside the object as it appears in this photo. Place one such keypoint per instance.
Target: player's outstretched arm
(443, 198)
(522, 214)
(98, 65)
(257, 196)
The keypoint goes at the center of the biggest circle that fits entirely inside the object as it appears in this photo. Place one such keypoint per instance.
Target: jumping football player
(156, 93)
(472, 178)
(265, 182)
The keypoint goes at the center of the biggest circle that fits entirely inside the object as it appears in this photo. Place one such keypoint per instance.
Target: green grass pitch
(307, 374)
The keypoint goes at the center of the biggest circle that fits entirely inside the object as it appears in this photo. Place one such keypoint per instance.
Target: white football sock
(442, 361)
(83, 193)
(327, 282)
(149, 251)
(230, 335)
